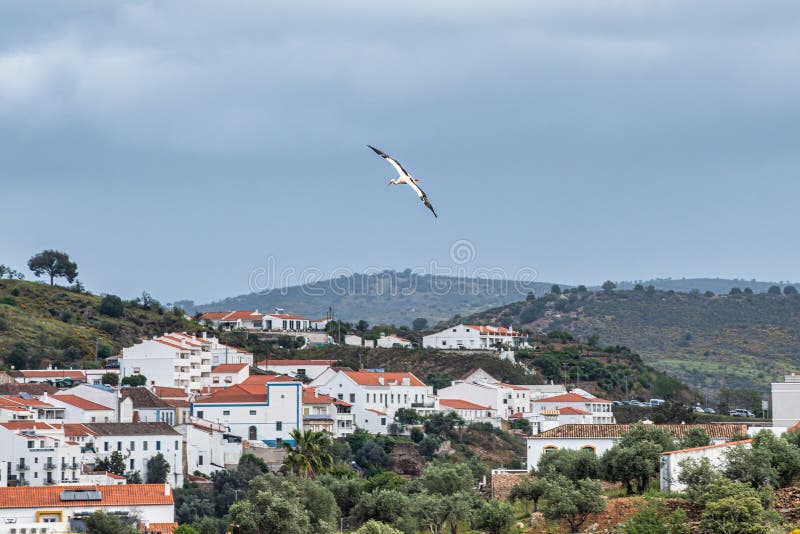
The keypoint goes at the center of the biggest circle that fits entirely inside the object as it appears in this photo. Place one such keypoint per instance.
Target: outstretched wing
(422, 196)
(394, 163)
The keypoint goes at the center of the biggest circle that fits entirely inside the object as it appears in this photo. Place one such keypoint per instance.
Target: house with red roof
(323, 412)
(475, 337)
(57, 508)
(78, 409)
(235, 320)
(470, 411)
(48, 375)
(376, 395)
(263, 408)
(38, 454)
(228, 374)
(579, 406)
(506, 399)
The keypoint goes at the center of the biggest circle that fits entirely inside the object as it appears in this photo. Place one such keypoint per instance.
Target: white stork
(405, 178)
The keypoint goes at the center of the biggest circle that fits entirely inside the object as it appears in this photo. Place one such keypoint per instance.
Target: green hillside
(707, 341)
(41, 325)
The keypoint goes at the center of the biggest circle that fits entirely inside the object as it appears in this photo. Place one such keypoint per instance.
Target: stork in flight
(405, 178)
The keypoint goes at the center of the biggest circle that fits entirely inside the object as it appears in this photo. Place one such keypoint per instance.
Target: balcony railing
(23, 467)
(49, 466)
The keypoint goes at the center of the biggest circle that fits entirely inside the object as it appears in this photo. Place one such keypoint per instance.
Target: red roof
(158, 528)
(28, 425)
(570, 397)
(111, 495)
(375, 411)
(12, 400)
(243, 314)
(569, 410)
(493, 330)
(174, 345)
(214, 316)
(73, 429)
(229, 368)
(287, 316)
(254, 380)
(458, 404)
(54, 373)
(80, 402)
(369, 378)
(236, 393)
(311, 396)
(164, 391)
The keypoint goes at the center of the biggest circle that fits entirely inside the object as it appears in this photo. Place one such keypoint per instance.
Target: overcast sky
(178, 147)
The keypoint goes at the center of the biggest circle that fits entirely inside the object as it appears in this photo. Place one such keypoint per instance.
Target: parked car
(699, 409)
(741, 412)
(617, 403)
(710, 410)
(657, 402)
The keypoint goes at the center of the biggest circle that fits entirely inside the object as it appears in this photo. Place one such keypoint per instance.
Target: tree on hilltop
(54, 264)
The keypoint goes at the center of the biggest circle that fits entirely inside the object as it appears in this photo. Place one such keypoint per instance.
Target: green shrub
(655, 517)
(10, 301)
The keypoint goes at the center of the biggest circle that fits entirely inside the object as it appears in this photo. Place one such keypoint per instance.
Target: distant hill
(747, 340)
(41, 325)
(389, 297)
(398, 297)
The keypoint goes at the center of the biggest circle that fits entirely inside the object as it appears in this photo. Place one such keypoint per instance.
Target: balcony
(50, 482)
(23, 467)
(49, 466)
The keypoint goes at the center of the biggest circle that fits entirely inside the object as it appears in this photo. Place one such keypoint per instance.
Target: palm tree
(307, 456)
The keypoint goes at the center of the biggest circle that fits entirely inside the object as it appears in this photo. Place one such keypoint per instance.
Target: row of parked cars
(739, 412)
(650, 404)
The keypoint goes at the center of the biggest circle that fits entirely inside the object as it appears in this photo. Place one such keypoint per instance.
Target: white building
(548, 419)
(263, 408)
(100, 394)
(169, 361)
(475, 337)
(138, 442)
(220, 353)
(786, 401)
(80, 410)
(319, 324)
(286, 322)
(599, 408)
(505, 399)
(322, 412)
(392, 341)
(670, 461)
(235, 320)
(37, 454)
(228, 374)
(372, 391)
(29, 510)
(470, 412)
(600, 438)
(310, 369)
(207, 448)
(139, 404)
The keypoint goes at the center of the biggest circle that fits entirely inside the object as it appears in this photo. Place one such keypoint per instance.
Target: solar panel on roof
(81, 495)
(24, 395)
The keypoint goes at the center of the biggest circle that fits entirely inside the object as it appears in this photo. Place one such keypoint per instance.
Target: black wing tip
(376, 150)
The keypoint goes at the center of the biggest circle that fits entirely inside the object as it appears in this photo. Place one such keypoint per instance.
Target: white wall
(670, 463)
(140, 448)
(786, 401)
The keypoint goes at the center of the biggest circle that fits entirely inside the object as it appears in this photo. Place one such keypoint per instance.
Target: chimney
(316, 393)
(380, 380)
(166, 489)
(406, 381)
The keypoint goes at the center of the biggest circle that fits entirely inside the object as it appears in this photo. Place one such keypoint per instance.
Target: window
(133, 446)
(444, 343)
(94, 419)
(383, 421)
(279, 425)
(549, 448)
(158, 445)
(340, 396)
(176, 445)
(226, 412)
(252, 412)
(352, 397)
(119, 446)
(200, 414)
(105, 445)
(132, 463)
(252, 433)
(144, 445)
(200, 460)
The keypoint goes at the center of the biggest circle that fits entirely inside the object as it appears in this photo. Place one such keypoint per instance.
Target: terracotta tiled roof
(173, 344)
(569, 410)
(458, 404)
(376, 411)
(310, 396)
(714, 446)
(234, 394)
(214, 316)
(575, 431)
(28, 425)
(164, 391)
(570, 397)
(229, 368)
(30, 389)
(73, 429)
(12, 400)
(260, 380)
(80, 402)
(493, 330)
(111, 495)
(54, 373)
(158, 528)
(131, 429)
(369, 378)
